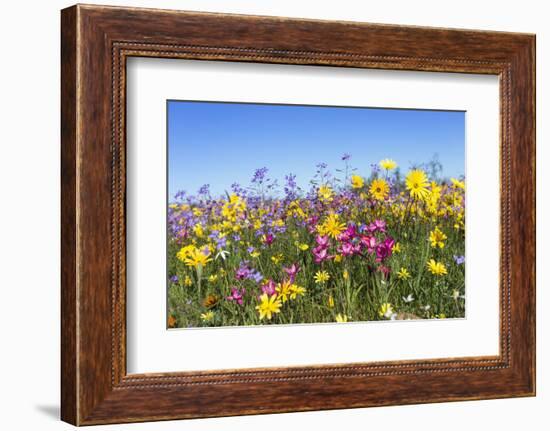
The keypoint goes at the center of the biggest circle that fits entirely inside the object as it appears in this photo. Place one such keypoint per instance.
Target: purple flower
(174, 279)
(292, 271)
(459, 260)
(259, 175)
(346, 156)
(243, 271)
(256, 276)
(237, 189)
(221, 243)
(236, 295)
(291, 188)
(204, 190)
(179, 195)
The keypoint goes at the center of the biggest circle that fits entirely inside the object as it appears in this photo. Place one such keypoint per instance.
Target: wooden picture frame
(95, 43)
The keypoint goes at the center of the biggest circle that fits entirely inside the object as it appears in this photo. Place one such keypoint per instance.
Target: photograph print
(300, 214)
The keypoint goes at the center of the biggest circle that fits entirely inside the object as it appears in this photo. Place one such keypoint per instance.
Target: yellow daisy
(321, 277)
(208, 316)
(388, 164)
(198, 258)
(269, 305)
(332, 226)
(437, 238)
(379, 189)
(341, 318)
(403, 274)
(325, 193)
(436, 268)
(357, 181)
(417, 184)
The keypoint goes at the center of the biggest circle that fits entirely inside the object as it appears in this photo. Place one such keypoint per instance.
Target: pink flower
(312, 221)
(269, 288)
(322, 241)
(236, 295)
(320, 254)
(384, 249)
(390, 242)
(347, 249)
(377, 226)
(348, 234)
(292, 271)
(384, 270)
(369, 242)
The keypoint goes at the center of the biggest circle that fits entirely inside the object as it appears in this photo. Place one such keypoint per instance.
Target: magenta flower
(320, 254)
(322, 241)
(348, 234)
(384, 249)
(369, 242)
(268, 238)
(236, 295)
(312, 221)
(292, 271)
(377, 226)
(269, 288)
(347, 249)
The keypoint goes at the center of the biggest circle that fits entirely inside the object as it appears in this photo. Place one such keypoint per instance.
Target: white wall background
(29, 214)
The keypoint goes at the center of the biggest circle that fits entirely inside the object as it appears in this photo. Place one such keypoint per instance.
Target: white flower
(389, 312)
(223, 254)
(409, 298)
(456, 294)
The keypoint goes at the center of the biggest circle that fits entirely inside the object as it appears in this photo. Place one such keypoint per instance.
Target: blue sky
(223, 143)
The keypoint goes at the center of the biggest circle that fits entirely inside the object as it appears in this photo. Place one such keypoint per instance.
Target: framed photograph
(266, 215)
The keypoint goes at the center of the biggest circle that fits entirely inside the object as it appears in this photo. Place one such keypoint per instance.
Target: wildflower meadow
(358, 244)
